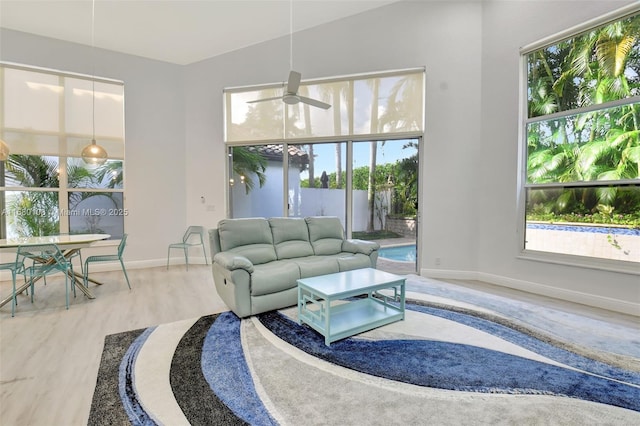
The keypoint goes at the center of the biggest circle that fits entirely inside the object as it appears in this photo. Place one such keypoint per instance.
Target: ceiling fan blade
(314, 102)
(265, 99)
(294, 82)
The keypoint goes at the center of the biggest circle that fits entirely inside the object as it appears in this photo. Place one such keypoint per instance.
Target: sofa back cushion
(326, 234)
(290, 237)
(250, 238)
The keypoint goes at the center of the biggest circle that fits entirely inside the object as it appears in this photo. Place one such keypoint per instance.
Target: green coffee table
(318, 297)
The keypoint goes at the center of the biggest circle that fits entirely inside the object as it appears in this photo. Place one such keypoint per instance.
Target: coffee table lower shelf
(350, 318)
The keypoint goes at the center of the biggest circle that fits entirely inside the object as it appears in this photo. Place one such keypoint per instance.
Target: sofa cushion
(290, 237)
(326, 234)
(274, 276)
(250, 238)
(317, 265)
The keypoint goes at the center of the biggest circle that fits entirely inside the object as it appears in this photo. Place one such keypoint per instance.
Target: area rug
(444, 364)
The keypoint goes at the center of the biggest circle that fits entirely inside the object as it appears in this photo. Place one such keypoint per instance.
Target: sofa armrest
(360, 246)
(232, 261)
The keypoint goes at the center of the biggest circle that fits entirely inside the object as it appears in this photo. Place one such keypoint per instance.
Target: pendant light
(93, 153)
(4, 151)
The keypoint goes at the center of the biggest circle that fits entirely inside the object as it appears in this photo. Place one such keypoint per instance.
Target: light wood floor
(49, 356)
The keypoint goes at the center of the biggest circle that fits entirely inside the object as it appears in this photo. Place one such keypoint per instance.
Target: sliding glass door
(372, 186)
(255, 181)
(319, 189)
(385, 199)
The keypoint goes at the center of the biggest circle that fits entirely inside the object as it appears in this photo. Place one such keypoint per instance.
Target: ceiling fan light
(94, 154)
(290, 99)
(4, 151)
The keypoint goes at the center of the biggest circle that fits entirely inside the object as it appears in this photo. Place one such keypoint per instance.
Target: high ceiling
(176, 31)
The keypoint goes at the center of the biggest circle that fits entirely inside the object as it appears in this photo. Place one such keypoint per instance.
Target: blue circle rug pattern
(270, 370)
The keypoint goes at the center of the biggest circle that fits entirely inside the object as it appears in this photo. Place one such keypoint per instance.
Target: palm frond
(612, 53)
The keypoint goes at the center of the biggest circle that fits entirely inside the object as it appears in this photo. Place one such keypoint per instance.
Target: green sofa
(257, 261)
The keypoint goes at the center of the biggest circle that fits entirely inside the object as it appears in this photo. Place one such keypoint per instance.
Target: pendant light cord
(93, 71)
(290, 35)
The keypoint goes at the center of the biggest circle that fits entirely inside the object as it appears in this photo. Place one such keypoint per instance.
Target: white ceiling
(176, 31)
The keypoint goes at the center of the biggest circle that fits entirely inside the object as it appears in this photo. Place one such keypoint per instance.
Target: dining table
(69, 245)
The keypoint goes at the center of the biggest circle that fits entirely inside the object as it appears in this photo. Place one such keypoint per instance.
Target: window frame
(63, 189)
(523, 186)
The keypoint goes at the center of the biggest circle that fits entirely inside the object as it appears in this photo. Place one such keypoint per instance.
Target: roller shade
(45, 113)
(362, 105)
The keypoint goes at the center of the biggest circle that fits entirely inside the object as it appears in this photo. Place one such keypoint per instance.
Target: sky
(389, 153)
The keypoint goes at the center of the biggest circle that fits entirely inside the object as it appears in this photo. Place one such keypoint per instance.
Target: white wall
(444, 37)
(155, 135)
(332, 202)
(265, 201)
(507, 26)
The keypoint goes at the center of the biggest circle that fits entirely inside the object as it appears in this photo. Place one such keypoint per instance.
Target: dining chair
(75, 253)
(47, 260)
(190, 239)
(16, 267)
(107, 258)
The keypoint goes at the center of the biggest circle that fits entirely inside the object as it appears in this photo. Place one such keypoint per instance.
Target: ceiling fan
(290, 95)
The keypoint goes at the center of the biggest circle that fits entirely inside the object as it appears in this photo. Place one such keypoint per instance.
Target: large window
(46, 118)
(357, 160)
(582, 136)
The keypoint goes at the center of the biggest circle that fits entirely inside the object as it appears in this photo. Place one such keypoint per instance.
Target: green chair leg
(14, 300)
(125, 273)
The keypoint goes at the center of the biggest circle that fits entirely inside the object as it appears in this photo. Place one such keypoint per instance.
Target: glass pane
(31, 213)
(32, 144)
(255, 184)
(109, 100)
(96, 213)
(596, 67)
(359, 105)
(31, 171)
(403, 103)
(114, 147)
(385, 199)
(601, 222)
(82, 175)
(388, 104)
(599, 145)
(254, 121)
(305, 121)
(31, 100)
(317, 180)
(385, 184)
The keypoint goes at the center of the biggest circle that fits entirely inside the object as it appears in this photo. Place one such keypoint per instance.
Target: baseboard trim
(616, 305)
(153, 263)
(136, 264)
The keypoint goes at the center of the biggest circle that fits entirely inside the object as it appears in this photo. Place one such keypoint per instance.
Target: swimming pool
(584, 228)
(405, 253)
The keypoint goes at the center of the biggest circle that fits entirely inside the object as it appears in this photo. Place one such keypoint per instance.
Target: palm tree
(404, 108)
(248, 162)
(35, 212)
(371, 191)
(304, 91)
(335, 94)
(405, 175)
(39, 209)
(598, 145)
(311, 169)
